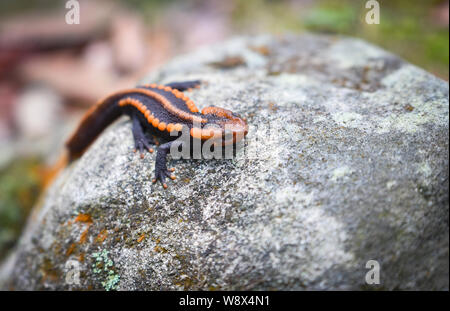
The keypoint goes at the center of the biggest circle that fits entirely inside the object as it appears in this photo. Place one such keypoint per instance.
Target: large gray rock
(346, 161)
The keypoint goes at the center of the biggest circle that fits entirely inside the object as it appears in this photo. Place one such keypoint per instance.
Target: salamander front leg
(161, 171)
(186, 85)
(140, 140)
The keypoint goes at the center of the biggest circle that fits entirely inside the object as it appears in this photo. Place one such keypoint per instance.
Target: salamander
(163, 111)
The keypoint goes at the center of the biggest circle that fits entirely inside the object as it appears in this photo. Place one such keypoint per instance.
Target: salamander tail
(92, 124)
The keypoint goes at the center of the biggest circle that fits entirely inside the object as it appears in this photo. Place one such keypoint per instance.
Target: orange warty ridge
(162, 126)
(150, 117)
(169, 107)
(177, 94)
(155, 122)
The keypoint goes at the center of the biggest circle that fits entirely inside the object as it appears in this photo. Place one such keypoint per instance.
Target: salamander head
(222, 123)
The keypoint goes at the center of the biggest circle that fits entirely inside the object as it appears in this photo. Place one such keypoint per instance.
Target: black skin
(143, 141)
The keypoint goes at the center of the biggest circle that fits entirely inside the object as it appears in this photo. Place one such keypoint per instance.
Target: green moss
(341, 19)
(405, 28)
(19, 189)
(437, 46)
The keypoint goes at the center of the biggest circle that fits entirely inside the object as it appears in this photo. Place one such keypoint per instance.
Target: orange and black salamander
(163, 111)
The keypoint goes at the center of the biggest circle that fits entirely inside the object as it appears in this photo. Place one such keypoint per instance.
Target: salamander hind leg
(186, 85)
(141, 141)
(161, 171)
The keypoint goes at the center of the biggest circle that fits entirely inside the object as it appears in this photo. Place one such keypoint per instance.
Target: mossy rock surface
(346, 161)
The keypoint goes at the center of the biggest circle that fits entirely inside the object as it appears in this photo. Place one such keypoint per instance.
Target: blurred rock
(48, 30)
(37, 111)
(129, 42)
(336, 172)
(208, 23)
(78, 61)
(76, 78)
(99, 56)
(40, 124)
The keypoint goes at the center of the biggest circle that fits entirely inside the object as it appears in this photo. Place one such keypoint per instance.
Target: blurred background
(51, 72)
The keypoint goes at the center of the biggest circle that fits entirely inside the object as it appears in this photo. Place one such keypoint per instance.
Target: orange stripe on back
(149, 116)
(180, 95)
(167, 104)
